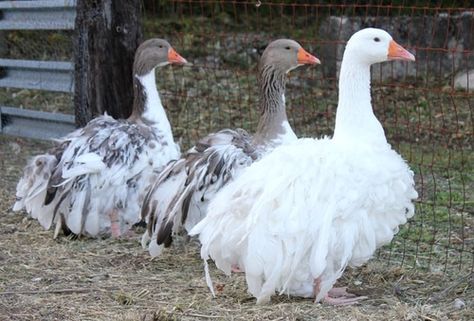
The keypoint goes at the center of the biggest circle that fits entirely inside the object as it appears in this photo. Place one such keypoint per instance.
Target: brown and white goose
(180, 195)
(94, 180)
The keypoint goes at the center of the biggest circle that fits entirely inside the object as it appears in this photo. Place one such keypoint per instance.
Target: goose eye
(160, 46)
(287, 48)
(376, 39)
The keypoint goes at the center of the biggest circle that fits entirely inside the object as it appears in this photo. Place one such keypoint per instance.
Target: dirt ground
(88, 279)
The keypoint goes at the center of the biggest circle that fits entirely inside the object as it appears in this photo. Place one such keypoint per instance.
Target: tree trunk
(107, 33)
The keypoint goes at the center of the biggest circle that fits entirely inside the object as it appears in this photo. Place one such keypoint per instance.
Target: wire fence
(34, 87)
(38, 45)
(427, 107)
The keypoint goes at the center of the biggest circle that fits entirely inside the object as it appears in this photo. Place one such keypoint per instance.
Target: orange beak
(175, 58)
(397, 52)
(305, 58)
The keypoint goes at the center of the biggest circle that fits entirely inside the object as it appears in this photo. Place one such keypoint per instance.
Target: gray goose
(180, 195)
(94, 180)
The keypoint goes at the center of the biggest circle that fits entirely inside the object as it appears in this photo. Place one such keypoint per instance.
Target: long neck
(355, 119)
(273, 127)
(147, 106)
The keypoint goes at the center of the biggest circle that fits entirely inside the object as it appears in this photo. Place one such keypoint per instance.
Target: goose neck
(355, 119)
(272, 90)
(273, 126)
(147, 105)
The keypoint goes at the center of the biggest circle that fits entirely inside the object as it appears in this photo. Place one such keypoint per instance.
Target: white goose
(295, 219)
(94, 180)
(182, 192)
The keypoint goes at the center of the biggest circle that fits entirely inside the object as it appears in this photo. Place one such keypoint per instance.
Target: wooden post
(107, 33)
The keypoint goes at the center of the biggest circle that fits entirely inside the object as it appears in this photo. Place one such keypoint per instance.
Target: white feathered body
(106, 165)
(306, 211)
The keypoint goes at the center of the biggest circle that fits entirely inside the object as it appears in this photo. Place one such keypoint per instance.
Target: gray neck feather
(143, 64)
(139, 98)
(272, 84)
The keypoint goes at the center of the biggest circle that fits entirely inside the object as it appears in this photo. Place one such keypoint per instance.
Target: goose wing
(94, 170)
(180, 195)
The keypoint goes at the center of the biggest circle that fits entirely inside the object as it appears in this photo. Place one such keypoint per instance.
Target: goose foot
(340, 292)
(343, 300)
(340, 297)
(336, 296)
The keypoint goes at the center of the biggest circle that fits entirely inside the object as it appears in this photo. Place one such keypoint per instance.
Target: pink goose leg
(114, 224)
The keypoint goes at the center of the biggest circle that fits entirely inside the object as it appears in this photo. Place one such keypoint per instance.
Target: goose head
(151, 54)
(280, 57)
(155, 53)
(355, 119)
(286, 55)
(372, 45)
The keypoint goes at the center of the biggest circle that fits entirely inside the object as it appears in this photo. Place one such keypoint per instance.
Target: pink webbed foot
(339, 292)
(340, 297)
(336, 296)
(340, 301)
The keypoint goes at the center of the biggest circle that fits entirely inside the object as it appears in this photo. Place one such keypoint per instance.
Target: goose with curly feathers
(294, 220)
(180, 195)
(94, 180)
